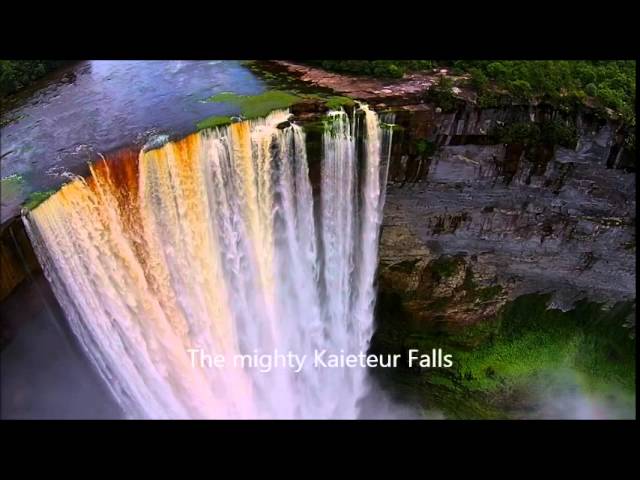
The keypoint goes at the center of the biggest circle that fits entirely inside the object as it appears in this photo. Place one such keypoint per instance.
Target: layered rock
(508, 220)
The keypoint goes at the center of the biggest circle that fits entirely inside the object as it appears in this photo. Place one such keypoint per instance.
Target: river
(64, 120)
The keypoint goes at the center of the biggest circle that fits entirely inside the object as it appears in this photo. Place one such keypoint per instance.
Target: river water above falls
(97, 106)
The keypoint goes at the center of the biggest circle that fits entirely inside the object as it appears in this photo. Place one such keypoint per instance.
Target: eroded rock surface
(509, 220)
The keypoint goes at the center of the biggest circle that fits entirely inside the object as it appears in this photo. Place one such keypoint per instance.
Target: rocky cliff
(507, 218)
(482, 227)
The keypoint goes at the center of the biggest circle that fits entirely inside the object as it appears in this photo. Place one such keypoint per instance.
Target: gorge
(515, 255)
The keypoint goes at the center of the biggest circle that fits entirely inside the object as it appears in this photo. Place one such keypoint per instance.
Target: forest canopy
(17, 74)
(611, 83)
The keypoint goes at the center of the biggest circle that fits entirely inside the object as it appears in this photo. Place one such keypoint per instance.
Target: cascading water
(214, 243)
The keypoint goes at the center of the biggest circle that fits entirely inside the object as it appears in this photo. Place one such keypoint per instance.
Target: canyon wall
(470, 223)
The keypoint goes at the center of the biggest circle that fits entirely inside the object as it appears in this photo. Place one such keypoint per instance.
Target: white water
(215, 243)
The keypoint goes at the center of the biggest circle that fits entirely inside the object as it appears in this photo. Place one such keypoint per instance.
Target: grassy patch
(254, 106)
(336, 102)
(36, 198)
(211, 122)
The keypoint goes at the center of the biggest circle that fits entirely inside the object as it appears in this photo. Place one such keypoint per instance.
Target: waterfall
(217, 242)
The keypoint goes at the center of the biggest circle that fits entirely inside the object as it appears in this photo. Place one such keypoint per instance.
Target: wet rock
(308, 106)
(17, 255)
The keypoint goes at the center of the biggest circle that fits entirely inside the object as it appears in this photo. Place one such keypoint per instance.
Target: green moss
(526, 354)
(36, 198)
(224, 97)
(485, 294)
(425, 147)
(336, 102)
(215, 121)
(254, 106)
(532, 340)
(444, 267)
(316, 126)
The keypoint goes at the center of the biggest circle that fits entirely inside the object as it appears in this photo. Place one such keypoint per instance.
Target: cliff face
(485, 205)
(470, 223)
(17, 256)
(515, 255)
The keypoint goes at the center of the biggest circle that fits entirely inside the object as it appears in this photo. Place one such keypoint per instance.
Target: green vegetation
(212, 122)
(378, 68)
(17, 74)
(486, 294)
(533, 134)
(526, 354)
(336, 102)
(36, 198)
(566, 83)
(254, 106)
(611, 83)
(441, 94)
(445, 267)
(250, 106)
(532, 339)
(530, 347)
(12, 186)
(425, 147)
